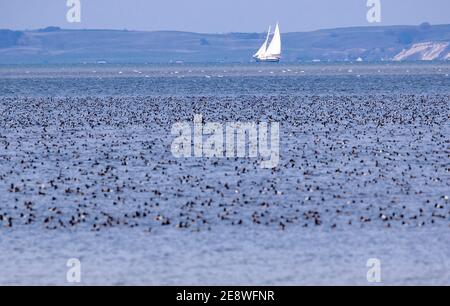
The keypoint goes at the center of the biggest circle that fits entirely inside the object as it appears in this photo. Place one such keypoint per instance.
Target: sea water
(86, 172)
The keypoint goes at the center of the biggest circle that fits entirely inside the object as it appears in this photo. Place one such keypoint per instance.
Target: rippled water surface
(86, 172)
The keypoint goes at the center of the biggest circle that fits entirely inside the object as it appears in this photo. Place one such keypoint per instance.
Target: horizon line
(220, 33)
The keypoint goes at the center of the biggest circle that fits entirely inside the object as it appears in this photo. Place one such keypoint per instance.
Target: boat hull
(268, 60)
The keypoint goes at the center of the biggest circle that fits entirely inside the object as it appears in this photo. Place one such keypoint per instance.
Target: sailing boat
(270, 52)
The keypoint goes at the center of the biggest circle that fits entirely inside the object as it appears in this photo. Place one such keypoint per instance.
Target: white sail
(270, 52)
(274, 48)
(262, 51)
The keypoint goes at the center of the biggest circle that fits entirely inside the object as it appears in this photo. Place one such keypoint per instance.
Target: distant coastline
(368, 44)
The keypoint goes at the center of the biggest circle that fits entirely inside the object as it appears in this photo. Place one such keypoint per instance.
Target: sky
(218, 16)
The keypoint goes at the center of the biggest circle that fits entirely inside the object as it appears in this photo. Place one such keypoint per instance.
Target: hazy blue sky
(218, 15)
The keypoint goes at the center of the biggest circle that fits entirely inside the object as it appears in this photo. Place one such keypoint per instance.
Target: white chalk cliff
(427, 51)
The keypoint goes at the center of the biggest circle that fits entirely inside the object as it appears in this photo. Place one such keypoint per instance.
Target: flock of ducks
(98, 163)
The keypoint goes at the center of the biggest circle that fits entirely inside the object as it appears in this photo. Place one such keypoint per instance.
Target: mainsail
(270, 52)
(274, 48)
